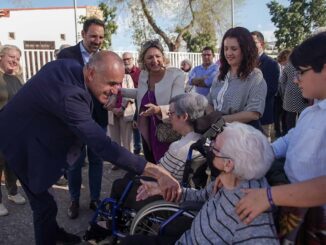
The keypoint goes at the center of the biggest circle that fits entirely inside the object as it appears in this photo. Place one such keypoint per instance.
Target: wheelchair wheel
(149, 219)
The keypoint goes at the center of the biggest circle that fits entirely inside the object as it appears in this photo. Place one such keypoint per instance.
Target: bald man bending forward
(44, 127)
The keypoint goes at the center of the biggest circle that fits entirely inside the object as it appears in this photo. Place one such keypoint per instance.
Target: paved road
(17, 227)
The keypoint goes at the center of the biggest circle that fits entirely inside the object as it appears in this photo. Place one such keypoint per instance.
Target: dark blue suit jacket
(100, 115)
(271, 73)
(49, 118)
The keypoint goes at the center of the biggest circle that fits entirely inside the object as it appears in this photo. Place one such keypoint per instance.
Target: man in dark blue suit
(271, 72)
(93, 37)
(44, 128)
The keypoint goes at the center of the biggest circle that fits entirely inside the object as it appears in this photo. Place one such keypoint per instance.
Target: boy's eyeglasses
(299, 73)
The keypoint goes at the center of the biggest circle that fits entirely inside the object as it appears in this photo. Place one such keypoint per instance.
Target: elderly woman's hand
(151, 110)
(147, 189)
(252, 204)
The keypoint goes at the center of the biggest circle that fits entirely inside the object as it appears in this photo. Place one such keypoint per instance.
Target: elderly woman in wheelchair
(184, 109)
(184, 112)
(243, 155)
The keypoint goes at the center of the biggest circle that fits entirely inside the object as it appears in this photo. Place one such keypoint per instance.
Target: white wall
(40, 25)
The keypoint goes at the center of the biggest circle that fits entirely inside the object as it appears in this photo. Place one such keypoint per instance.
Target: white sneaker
(3, 210)
(18, 199)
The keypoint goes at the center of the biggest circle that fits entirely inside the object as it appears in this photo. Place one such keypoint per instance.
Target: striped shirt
(218, 223)
(291, 94)
(241, 95)
(174, 159)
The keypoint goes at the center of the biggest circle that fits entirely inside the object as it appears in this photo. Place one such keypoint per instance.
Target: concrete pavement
(17, 227)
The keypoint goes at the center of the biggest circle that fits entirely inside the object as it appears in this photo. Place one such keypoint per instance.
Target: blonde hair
(155, 43)
(4, 50)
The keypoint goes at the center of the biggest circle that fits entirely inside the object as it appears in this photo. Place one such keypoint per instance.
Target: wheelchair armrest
(191, 205)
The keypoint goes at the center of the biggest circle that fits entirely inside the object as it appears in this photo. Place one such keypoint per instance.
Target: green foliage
(111, 26)
(297, 21)
(169, 20)
(195, 43)
(141, 31)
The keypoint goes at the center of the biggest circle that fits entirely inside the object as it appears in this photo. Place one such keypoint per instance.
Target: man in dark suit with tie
(44, 128)
(93, 36)
(271, 72)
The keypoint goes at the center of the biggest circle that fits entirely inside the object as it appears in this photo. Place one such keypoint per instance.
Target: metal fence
(33, 60)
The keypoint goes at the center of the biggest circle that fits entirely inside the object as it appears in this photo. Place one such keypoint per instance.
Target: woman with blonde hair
(157, 85)
(11, 81)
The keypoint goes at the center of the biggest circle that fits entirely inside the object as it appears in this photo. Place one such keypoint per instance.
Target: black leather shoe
(94, 204)
(66, 238)
(73, 210)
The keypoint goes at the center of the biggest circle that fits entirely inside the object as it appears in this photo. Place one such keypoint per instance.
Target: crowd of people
(95, 104)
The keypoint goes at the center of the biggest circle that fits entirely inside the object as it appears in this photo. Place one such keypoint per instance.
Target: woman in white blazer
(157, 85)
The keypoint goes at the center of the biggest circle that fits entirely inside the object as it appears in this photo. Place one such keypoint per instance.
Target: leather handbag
(166, 134)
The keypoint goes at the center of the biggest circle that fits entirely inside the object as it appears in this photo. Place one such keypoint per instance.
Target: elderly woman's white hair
(249, 149)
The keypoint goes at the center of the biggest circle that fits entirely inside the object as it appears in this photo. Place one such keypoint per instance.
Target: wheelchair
(113, 220)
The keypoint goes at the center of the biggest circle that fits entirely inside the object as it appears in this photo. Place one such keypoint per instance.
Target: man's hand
(169, 186)
(110, 105)
(252, 204)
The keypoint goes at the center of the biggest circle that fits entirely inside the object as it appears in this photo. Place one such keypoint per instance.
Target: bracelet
(270, 198)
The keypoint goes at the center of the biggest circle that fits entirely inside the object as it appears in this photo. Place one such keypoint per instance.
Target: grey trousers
(10, 178)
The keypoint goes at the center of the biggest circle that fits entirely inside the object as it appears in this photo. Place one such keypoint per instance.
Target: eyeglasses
(213, 150)
(170, 113)
(299, 73)
(127, 59)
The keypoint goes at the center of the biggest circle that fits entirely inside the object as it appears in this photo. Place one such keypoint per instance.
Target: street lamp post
(75, 12)
(232, 13)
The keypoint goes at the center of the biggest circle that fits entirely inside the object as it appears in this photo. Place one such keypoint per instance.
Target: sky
(253, 14)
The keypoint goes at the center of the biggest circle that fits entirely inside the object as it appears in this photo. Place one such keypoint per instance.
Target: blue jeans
(95, 171)
(137, 140)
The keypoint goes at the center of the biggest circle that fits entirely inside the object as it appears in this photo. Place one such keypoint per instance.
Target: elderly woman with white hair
(243, 155)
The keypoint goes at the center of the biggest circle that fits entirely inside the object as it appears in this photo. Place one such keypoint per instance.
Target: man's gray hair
(191, 103)
(249, 149)
(99, 60)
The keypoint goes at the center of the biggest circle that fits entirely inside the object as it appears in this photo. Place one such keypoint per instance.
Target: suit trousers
(95, 171)
(10, 178)
(45, 211)
(137, 140)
